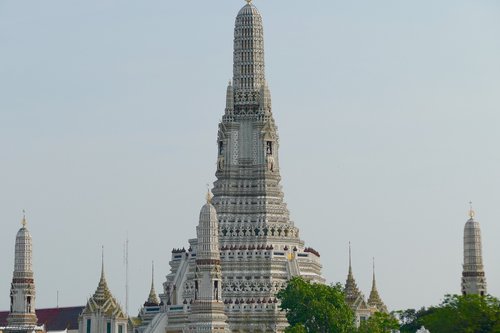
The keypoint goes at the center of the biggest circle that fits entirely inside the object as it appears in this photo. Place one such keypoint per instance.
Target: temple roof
(351, 291)
(103, 301)
(54, 319)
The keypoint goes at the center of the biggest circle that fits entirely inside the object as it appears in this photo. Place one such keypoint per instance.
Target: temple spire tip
(23, 222)
(472, 213)
(152, 273)
(350, 255)
(102, 262)
(209, 195)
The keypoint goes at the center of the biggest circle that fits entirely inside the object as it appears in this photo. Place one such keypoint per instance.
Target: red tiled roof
(54, 319)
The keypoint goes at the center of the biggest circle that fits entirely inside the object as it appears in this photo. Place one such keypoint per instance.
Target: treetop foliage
(315, 308)
(456, 314)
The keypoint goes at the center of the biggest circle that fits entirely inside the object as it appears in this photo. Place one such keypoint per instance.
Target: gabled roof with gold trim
(103, 301)
(353, 296)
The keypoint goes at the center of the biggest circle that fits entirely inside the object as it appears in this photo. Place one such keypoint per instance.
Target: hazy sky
(389, 118)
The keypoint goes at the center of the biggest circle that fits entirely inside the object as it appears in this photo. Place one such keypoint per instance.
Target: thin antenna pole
(125, 258)
(57, 302)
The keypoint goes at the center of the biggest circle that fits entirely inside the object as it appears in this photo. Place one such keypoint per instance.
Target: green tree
(456, 314)
(410, 319)
(316, 308)
(298, 328)
(464, 314)
(379, 322)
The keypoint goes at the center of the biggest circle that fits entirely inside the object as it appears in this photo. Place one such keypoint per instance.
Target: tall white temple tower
(473, 277)
(22, 316)
(260, 245)
(207, 310)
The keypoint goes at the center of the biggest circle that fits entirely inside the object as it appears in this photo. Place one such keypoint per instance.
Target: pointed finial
(102, 262)
(209, 195)
(472, 213)
(152, 272)
(249, 2)
(230, 83)
(350, 255)
(152, 298)
(373, 270)
(23, 222)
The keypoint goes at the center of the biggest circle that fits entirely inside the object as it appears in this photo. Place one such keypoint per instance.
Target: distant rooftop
(54, 319)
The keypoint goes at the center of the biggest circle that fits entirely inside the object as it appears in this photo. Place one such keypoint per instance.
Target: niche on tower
(220, 157)
(269, 140)
(216, 290)
(270, 155)
(221, 147)
(269, 147)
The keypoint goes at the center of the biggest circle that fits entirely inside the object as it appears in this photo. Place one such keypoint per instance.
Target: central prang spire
(257, 244)
(247, 193)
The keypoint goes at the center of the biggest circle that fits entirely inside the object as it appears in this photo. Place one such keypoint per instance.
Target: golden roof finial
(472, 213)
(209, 195)
(23, 222)
(249, 2)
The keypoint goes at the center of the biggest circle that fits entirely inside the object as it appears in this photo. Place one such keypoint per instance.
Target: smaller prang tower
(207, 311)
(22, 316)
(473, 278)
